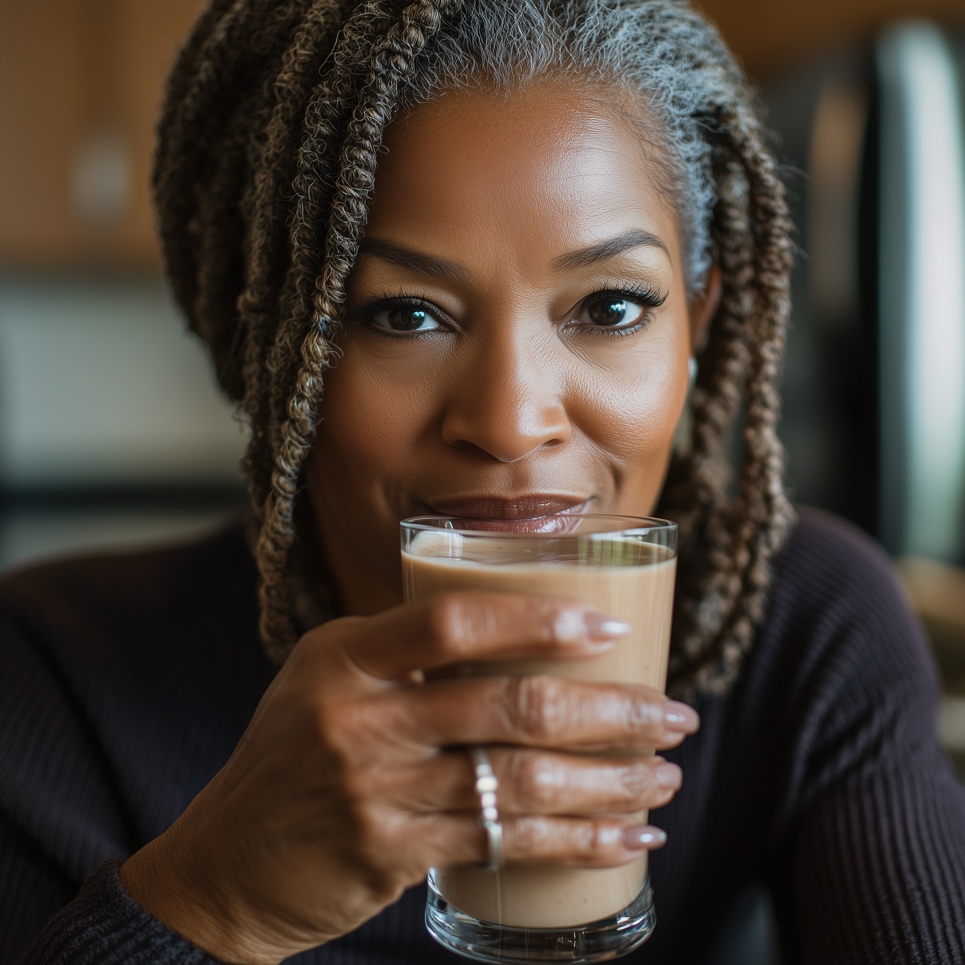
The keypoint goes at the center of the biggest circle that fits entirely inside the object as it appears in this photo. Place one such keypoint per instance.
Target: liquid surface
(639, 590)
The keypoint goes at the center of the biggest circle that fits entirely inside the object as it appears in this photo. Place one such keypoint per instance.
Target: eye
(403, 317)
(612, 312)
(621, 311)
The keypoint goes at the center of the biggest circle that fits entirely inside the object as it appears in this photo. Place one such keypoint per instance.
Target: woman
(497, 235)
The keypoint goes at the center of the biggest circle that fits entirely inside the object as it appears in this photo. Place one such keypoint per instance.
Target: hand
(350, 781)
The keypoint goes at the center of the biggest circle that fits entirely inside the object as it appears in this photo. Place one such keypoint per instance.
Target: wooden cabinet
(80, 85)
(769, 35)
(81, 80)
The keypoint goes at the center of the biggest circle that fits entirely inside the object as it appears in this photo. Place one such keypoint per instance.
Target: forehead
(554, 151)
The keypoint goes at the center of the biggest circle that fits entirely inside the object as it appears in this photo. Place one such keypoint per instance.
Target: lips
(532, 513)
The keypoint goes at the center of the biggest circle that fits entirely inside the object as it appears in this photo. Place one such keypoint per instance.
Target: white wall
(101, 385)
(101, 382)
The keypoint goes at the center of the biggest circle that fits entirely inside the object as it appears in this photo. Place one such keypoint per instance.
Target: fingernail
(570, 626)
(643, 836)
(600, 627)
(669, 776)
(680, 717)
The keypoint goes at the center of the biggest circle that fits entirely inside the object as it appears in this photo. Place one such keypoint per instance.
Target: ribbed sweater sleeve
(126, 682)
(48, 747)
(874, 817)
(113, 713)
(103, 926)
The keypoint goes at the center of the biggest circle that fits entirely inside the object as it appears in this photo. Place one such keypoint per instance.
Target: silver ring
(486, 786)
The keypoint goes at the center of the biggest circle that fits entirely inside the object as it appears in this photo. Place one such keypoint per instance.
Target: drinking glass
(625, 567)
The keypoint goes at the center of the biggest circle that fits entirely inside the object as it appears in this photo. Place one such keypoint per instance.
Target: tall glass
(625, 567)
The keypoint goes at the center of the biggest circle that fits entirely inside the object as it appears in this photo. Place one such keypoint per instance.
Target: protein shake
(624, 578)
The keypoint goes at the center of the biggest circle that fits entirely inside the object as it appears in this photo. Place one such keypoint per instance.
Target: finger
(539, 711)
(536, 782)
(576, 842)
(453, 628)
(596, 843)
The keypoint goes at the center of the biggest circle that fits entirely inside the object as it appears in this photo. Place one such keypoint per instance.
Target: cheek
(362, 453)
(368, 429)
(360, 439)
(632, 413)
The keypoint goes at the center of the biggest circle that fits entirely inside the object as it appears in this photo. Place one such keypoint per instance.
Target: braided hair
(268, 146)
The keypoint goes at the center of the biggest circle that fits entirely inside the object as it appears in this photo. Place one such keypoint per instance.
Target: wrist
(159, 879)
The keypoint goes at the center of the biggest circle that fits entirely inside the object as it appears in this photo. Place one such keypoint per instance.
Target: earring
(681, 438)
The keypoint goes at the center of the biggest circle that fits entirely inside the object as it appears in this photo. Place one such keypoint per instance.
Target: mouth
(532, 513)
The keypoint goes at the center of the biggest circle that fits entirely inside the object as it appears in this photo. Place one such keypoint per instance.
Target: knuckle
(635, 783)
(443, 620)
(349, 734)
(370, 834)
(533, 781)
(586, 842)
(590, 841)
(387, 889)
(535, 706)
(551, 623)
(644, 715)
(603, 843)
(337, 725)
(583, 839)
(530, 836)
(453, 624)
(384, 879)
(328, 722)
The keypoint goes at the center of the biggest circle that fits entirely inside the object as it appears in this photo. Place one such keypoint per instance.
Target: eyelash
(646, 295)
(368, 312)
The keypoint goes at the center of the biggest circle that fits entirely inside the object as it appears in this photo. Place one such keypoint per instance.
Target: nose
(506, 401)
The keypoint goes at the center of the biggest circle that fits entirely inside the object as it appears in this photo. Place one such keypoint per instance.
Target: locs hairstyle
(268, 147)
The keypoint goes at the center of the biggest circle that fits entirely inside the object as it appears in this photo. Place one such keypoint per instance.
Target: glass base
(597, 941)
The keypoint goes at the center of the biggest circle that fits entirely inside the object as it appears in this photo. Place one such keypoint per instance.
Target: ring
(486, 786)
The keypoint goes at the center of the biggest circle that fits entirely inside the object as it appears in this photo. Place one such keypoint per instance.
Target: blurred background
(110, 428)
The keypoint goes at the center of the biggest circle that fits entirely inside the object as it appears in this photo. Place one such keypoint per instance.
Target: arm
(64, 826)
(874, 842)
(353, 779)
(103, 925)
(60, 816)
(342, 792)
(880, 868)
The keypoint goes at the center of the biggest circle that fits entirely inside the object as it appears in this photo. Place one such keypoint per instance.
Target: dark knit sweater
(126, 680)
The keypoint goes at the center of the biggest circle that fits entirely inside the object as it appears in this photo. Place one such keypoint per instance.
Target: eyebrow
(413, 260)
(443, 268)
(610, 248)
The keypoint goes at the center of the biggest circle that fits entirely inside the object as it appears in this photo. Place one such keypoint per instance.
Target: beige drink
(636, 585)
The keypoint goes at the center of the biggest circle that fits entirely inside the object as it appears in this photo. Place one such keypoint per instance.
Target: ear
(703, 307)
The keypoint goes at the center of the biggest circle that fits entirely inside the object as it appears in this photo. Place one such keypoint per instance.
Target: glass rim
(636, 525)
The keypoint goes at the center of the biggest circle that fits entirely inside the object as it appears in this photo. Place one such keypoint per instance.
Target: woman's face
(517, 331)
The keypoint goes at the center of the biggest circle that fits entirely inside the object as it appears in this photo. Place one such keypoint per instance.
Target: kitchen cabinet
(81, 81)
(80, 84)
(770, 35)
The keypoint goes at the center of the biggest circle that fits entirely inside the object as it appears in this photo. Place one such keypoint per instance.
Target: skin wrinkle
(405, 421)
(606, 250)
(535, 708)
(444, 268)
(303, 197)
(263, 208)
